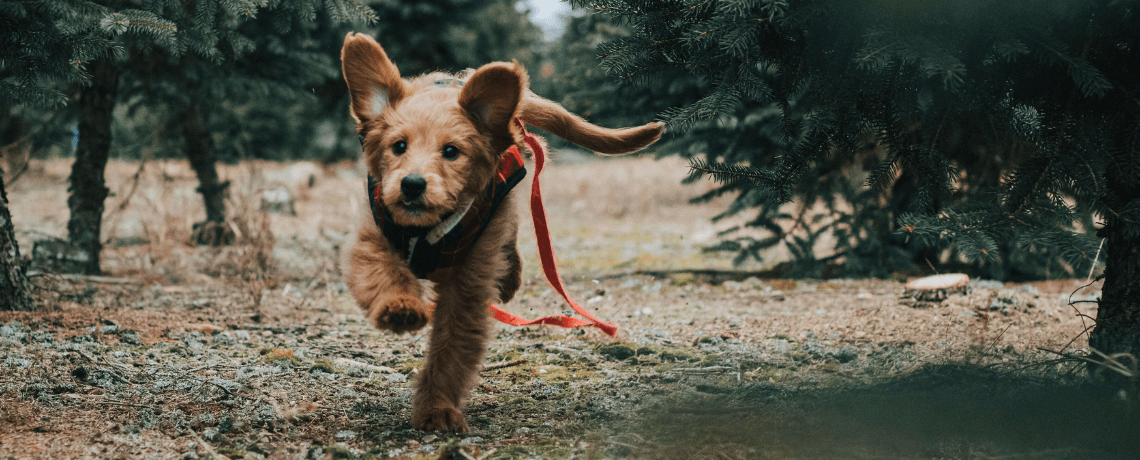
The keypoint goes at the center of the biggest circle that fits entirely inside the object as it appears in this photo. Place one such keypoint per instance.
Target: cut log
(934, 289)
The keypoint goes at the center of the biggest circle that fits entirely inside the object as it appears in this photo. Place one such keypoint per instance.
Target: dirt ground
(257, 351)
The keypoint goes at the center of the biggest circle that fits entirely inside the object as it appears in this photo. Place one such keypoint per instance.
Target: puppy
(443, 152)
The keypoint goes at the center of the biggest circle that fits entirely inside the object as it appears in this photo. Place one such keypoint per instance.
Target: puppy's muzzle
(412, 188)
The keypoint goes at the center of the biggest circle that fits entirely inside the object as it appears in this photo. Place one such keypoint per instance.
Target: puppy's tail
(548, 115)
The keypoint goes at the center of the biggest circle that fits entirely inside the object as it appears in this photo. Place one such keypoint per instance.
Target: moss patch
(616, 351)
(325, 366)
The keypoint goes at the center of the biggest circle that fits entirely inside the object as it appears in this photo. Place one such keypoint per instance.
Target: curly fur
(428, 114)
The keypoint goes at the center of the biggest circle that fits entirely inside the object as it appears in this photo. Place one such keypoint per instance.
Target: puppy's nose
(413, 186)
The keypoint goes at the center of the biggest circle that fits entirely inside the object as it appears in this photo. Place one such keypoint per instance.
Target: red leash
(546, 256)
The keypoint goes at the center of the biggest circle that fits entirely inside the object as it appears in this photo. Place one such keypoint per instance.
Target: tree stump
(932, 290)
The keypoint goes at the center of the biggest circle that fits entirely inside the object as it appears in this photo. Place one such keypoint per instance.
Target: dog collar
(429, 249)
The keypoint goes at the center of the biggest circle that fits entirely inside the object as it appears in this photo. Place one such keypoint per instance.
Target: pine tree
(991, 128)
(205, 58)
(15, 291)
(47, 47)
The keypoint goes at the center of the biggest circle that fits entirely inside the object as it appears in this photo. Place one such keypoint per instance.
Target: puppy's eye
(399, 148)
(450, 152)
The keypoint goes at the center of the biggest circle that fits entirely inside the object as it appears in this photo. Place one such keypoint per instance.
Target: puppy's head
(431, 143)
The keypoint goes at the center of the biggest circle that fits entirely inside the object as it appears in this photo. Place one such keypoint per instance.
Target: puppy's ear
(373, 80)
(490, 98)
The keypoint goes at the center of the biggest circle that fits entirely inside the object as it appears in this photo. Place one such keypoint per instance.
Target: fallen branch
(84, 278)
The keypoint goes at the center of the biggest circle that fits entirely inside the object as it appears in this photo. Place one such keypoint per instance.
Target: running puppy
(443, 153)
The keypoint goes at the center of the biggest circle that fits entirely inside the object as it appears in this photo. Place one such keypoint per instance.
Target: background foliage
(897, 147)
(268, 81)
(963, 132)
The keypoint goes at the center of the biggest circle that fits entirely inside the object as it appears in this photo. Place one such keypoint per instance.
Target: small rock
(278, 201)
(13, 361)
(59, 256)
(986, 284)
(630, 283)
(345, 434)
(396, 377)
(129, 337)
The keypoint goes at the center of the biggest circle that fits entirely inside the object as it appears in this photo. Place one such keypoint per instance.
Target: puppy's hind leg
(389, 294)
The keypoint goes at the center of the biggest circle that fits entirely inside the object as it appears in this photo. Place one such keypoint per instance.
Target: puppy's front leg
(383, 286)
(460, 327)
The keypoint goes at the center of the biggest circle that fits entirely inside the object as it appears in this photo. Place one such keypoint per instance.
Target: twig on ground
(705, 370)
(1087, 328)
(114, 402)
(121, 367)
(999, 336)
(504, 364)
(359, 387)
(204, 380)
(569, 351)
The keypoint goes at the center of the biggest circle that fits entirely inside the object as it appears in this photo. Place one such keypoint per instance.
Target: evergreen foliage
(284, 97)
(47, 45)
(986, 127)
(571, 75)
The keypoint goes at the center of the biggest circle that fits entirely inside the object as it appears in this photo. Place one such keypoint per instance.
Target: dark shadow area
(940, 412)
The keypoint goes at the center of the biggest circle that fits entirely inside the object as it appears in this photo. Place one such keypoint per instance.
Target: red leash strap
(546, 256)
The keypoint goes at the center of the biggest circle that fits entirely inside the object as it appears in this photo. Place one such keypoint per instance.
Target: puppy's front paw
(400, 314)
(439, 419)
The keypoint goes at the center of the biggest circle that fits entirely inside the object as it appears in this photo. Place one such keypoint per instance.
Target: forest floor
(256, 350)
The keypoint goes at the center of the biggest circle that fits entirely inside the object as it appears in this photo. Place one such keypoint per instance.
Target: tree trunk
(88, 190)
(1118, 315)
(200, 151)
(15, 292)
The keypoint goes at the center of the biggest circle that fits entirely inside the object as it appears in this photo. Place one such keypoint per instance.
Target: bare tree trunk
(1118, 315)
(200, 150)
(88, 190)
(15, 292)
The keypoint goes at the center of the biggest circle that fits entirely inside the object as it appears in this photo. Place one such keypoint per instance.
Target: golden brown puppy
(443, 153)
